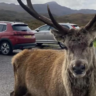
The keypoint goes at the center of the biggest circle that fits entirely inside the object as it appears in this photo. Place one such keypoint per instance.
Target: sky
(73, 4)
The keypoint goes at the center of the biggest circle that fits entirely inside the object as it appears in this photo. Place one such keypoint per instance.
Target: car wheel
(62, 46)
(6, 48)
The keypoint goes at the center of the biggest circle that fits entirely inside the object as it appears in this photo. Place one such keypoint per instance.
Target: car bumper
(25, 46)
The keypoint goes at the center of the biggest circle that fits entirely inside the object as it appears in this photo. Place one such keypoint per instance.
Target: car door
(49, 36)
(40, 33)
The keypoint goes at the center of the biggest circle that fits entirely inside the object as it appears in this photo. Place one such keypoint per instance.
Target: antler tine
(32, 12)
(29, 3)
(90, 24)
(44, 19)
(59, 27)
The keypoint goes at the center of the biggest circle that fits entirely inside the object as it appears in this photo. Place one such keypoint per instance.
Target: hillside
(12, 12)
(42, 8)
(80, 19)
(6, 15)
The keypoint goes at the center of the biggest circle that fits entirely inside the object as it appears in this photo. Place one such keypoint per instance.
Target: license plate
(29, 36)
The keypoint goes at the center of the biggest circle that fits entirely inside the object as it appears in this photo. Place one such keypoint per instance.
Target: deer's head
(78, 42)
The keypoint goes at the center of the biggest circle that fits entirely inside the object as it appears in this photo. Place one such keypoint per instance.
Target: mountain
(42, 8)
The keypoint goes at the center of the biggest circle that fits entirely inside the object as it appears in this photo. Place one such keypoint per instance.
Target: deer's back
(38, 57)
(40, 68)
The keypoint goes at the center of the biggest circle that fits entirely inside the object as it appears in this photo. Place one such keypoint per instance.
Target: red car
(15, 35)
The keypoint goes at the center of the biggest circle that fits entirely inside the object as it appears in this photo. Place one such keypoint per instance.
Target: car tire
(61, 45)
(6, 48)
(39, 44)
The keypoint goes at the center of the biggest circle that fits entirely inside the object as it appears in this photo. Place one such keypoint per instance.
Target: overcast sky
(74, 4)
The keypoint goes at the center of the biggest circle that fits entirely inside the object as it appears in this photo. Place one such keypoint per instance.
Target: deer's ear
(57, 35)
(92, 31)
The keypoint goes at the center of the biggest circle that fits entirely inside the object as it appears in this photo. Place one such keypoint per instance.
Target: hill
(80, 19)
(12, 12)
(42, 8)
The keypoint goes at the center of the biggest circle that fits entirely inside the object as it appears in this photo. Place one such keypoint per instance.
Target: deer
(48, 72)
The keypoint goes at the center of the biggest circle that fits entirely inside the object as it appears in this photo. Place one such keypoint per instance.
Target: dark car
(15, 35)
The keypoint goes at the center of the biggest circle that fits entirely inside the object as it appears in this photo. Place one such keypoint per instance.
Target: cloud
(79, 4)
(74, 4)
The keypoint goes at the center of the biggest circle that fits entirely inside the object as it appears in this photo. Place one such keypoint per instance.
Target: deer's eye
(65, 48)
(91, 44)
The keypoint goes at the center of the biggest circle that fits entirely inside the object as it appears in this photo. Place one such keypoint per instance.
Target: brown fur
(40, 73)
(39, 77)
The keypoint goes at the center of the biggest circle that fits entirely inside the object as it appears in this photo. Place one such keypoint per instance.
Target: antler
(55, 23)
(90, 24)
(44, 19)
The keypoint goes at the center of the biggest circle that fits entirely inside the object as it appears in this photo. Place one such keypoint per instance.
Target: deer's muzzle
(79, 67)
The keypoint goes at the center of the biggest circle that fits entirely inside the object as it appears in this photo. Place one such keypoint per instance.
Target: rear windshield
(21, 28)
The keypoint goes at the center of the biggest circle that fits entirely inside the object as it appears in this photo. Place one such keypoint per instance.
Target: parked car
(15, 35)
(43, 34)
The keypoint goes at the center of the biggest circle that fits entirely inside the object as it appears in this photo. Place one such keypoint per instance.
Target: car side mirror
(37, 30)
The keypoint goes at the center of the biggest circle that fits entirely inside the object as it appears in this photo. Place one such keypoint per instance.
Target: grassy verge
(94, 43)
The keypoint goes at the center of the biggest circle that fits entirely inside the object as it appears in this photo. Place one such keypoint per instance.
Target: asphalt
(6, 75)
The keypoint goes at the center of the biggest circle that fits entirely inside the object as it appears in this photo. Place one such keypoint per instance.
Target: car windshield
(20, 27)
(43, 28)
(61, 25)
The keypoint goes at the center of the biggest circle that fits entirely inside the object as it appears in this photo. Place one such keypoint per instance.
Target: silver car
(43, 34)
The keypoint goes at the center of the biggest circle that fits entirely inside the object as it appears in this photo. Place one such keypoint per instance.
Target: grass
(94, 43)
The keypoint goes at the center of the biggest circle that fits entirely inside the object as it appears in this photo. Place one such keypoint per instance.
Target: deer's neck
(93, 78)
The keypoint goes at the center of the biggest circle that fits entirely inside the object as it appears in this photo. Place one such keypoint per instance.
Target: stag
(71, 72)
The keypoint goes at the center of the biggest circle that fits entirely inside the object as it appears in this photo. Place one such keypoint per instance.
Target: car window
(61, 25)
(46, 27)
(52, 28)
(2, 28)
(20, 27)
(66, 26)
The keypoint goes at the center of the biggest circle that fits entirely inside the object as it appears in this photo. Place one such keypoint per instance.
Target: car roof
(67, 23)
(63, 24)
(12, 22)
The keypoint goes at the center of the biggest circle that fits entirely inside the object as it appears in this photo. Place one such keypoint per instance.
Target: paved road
(6, 75)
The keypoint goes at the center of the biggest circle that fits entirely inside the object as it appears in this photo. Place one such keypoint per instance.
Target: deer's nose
(79, 67)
